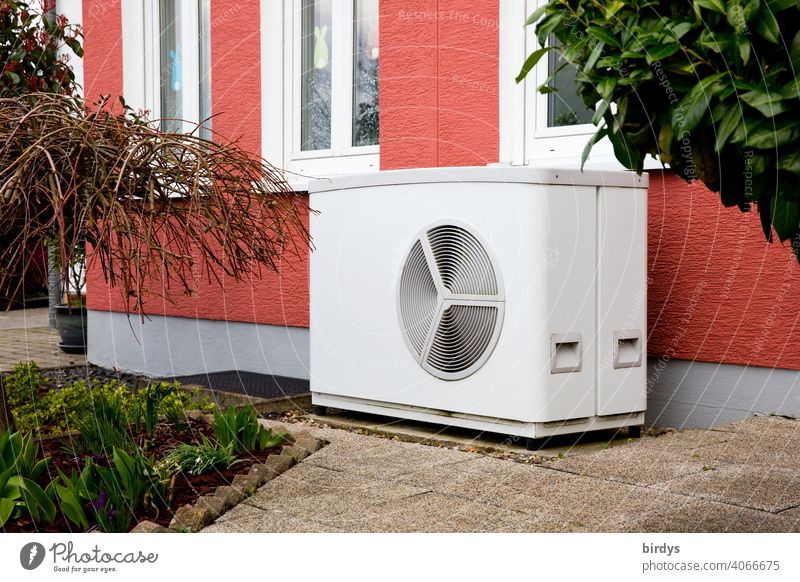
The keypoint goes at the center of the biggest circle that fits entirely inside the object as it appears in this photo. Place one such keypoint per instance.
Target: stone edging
(207, 508)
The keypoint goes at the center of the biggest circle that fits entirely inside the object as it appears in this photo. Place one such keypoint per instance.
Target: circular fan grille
(450, 301)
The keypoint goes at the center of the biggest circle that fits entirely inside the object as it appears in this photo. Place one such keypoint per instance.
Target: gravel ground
(60, 377)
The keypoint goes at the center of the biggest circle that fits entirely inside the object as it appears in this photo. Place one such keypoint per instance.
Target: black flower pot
(71, 325)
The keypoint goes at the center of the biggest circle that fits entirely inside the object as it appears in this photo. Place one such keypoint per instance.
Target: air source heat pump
(504, 299)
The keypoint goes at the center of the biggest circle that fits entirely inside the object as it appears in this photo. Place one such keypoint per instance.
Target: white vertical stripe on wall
(73, 10)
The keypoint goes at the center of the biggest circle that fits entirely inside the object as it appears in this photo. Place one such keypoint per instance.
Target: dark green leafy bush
(709, 87)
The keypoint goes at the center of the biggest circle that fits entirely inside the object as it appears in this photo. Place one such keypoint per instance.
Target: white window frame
(141, 56)
(525, 138)
(281, 96)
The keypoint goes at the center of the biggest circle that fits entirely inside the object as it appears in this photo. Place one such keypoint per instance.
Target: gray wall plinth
(178, 346)
(683, 394)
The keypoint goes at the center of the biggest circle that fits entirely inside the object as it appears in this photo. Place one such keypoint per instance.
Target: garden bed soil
(187, 488)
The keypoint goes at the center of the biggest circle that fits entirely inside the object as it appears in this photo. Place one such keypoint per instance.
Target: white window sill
(300, 172)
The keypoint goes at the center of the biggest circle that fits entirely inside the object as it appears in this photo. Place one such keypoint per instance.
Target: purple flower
(101, 501)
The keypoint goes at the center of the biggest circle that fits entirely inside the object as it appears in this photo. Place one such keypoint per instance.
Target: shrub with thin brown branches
(154, 208)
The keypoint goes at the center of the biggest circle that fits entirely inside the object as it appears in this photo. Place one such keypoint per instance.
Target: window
(329, 75)
(176, 69)
(536, 129)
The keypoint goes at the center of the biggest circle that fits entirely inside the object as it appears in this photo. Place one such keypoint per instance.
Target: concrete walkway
(743, 477)
(25, 336)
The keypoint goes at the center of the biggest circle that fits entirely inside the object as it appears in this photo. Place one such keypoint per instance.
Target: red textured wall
(718, 292)
(102, 43)
(236, 103)
(439, 83)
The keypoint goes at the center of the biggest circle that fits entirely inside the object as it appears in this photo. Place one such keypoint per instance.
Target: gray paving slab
(767, 451)
(325, 493)
(249, 519)
(24, 318)
(24, 337)
(387, 459)
(768, 490)
(639, 465)
(693, 515)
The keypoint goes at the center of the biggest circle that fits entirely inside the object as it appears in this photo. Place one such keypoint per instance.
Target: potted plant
(71, 315)
(709, 87)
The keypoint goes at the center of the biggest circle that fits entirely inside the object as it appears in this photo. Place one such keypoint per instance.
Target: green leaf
(715, 5)
(592, 60)
(767, 26)
(547, 25)
(39, 505)
(600, 112)
(531, 61)
(769, 104)
(726, 125)
(767, 134)
(781, 5)
(623, 151)
(601, 133)
(694, 106)
(785, 216)
(6, 509)
(679, 30)
(789, 161)
(536, 15)
(606, 87)
(750, 8)
(75, 46)
(72, 507)
(613, 7)
(743, 44)
(794, 53)
(662, 51)
(604, 35)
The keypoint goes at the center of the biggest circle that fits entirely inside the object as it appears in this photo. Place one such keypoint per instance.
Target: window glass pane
(365, 73)
(171, 67)
(565, 106)
(204, 19)
(315, 75)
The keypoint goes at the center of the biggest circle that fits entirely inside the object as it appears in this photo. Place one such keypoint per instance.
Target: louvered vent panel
(418, 298)
(463, 263)
(450, 302)
(463, 334)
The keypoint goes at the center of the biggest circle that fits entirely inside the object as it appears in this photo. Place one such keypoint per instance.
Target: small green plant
(161, 400)
(19, 467)
(605, 445)
(709, 468)
(200, 458)
(24, 384)
(561, 456)
(105, 423)
(110, 496)
(243, 431)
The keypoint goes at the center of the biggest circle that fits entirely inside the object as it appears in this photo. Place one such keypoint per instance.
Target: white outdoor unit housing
(505, 299)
